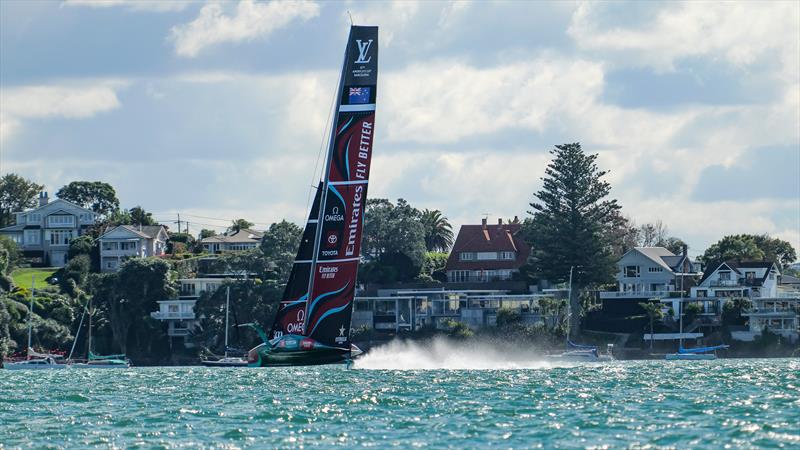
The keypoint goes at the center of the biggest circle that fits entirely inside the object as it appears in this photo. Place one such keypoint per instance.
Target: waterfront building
(779, 316)
(131, 241)
(243, 239)
(486, 253)
(652, 272)
(44, 233)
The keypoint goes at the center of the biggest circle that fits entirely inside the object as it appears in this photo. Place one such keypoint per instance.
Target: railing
(641, 294)
(178, 332)
(172, 315)
(725, 283)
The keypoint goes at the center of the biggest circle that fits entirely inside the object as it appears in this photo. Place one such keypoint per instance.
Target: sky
(218, 110)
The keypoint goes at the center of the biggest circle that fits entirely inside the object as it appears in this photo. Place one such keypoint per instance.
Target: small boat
(226, 361)
(36, 361)
(695, 354)
(312, 325)
(582, 353)
(93, 361)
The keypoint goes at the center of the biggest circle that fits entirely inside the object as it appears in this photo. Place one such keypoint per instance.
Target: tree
(98, 196)
(654, 312)
(238, 225)
(571, 215)
(279, 245)
(16, 194)
(733, 309)
(743, 247)
(204, 233)
(6, 344)
(394, 241)
(433, 267)
(438, 231)
(141, 217)
(652, 234)
(621, 232)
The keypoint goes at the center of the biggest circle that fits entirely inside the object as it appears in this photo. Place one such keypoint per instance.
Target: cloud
(46, 101)
(250, 20)
(133, 5)
(737, 33)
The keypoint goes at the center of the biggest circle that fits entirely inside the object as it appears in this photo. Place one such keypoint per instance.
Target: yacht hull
(690, 356)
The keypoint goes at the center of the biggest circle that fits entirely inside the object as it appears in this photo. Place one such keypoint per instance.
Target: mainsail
(337, 251)
(291, 315)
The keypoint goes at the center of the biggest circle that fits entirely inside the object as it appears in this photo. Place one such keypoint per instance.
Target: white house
(651, 272)
(131, 241)
(751, 279)
(43, 233)
(243, 239)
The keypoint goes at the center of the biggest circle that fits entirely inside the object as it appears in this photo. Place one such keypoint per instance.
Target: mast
(227, 315)
(30, 314)
(89, 333)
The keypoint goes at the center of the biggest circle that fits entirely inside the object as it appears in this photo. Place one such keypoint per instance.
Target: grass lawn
(22, 277)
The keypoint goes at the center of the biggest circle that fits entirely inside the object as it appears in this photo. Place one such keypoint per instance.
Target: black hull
(303, 358)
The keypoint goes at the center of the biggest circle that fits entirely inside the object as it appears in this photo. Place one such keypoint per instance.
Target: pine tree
(570, 214)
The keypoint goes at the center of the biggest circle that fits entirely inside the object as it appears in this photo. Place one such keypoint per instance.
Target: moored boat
(695, 354)
(312, 325)
(92, 360)
(226, 361)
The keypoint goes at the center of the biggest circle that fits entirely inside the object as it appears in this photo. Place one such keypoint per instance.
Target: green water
(707, 404)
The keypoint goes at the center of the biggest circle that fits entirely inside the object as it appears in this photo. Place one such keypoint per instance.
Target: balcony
(725, 283)
(119, 253)
(178, 332)
(173, 315)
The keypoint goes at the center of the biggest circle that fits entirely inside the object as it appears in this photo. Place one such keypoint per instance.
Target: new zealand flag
(358, 95)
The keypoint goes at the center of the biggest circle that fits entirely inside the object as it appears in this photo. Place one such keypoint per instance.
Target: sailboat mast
(227, 317)
(325, 179)
(30, 314)
(89, 333)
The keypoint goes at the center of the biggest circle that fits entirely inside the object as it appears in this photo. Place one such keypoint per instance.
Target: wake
(441, 353)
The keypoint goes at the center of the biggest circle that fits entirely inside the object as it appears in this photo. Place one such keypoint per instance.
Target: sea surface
(406, 396)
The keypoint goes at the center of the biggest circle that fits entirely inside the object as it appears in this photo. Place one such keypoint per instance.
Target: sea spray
(443, 353)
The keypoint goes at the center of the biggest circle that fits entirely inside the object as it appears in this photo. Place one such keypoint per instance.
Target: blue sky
(217, 110)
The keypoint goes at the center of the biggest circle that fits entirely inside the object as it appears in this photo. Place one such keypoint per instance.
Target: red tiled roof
(488, 238)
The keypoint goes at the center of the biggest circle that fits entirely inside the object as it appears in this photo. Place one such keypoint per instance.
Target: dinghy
(312, 325)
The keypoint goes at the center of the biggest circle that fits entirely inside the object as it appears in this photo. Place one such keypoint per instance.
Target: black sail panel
(291, 313)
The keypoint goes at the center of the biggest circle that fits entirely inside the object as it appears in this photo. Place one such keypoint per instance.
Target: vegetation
(16, 194)
(438, 231)
(749, 247)
(571, 215)
(238, 225)
(393, 242)
(98, 196)
(22, 277)
(654, 312)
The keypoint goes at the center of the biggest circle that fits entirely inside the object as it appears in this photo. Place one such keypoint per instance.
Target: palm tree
(654, 312)
(238, 225)
(438, 232)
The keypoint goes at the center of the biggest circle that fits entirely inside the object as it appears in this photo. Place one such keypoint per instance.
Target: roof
(789, 279)
(488, 238)
(57, 200)
(736, 265)
(243, 235)
(660, 256)
(143, 231)
(12, 228)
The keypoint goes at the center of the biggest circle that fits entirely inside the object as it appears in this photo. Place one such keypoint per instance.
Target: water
(397, 397)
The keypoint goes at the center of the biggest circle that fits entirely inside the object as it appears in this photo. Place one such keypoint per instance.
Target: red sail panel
(350, 153)
(292, 310)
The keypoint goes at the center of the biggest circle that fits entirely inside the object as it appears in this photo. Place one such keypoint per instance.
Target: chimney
(500, 221)
(483, 222)
(685, 250)
(43, 198)
(516, 219)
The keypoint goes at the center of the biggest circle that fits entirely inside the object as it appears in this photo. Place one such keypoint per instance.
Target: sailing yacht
(34, 360)
(691, 354)
(94, 361)
(226, 361)
(312, 325)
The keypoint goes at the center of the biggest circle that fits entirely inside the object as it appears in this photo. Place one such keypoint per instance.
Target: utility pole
(179, 222)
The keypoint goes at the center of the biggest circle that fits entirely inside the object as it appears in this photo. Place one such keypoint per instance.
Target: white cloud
(134, 5)
(250, 20)
(392, 17)
(69, 101)
(739, 33)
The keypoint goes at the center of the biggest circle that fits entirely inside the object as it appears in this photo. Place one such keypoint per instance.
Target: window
(724, 275)
(61, 221)
(127, 245)
(172, 308)
(749, 276)
(109, 246)
(467, 256)
(459, 276)
(508, 255)
(631, 271)
(32, 237)
(772, 275)
(34, 218)
(17, 238)
(487, 256)
(111, 264)
(655, 269)
(60, 237)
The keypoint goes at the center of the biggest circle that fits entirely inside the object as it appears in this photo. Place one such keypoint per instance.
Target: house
(648, 272)
(243, 239)
(131, 241)
(751, 279)
(779, 316)
(484, 253)
(44, 233)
